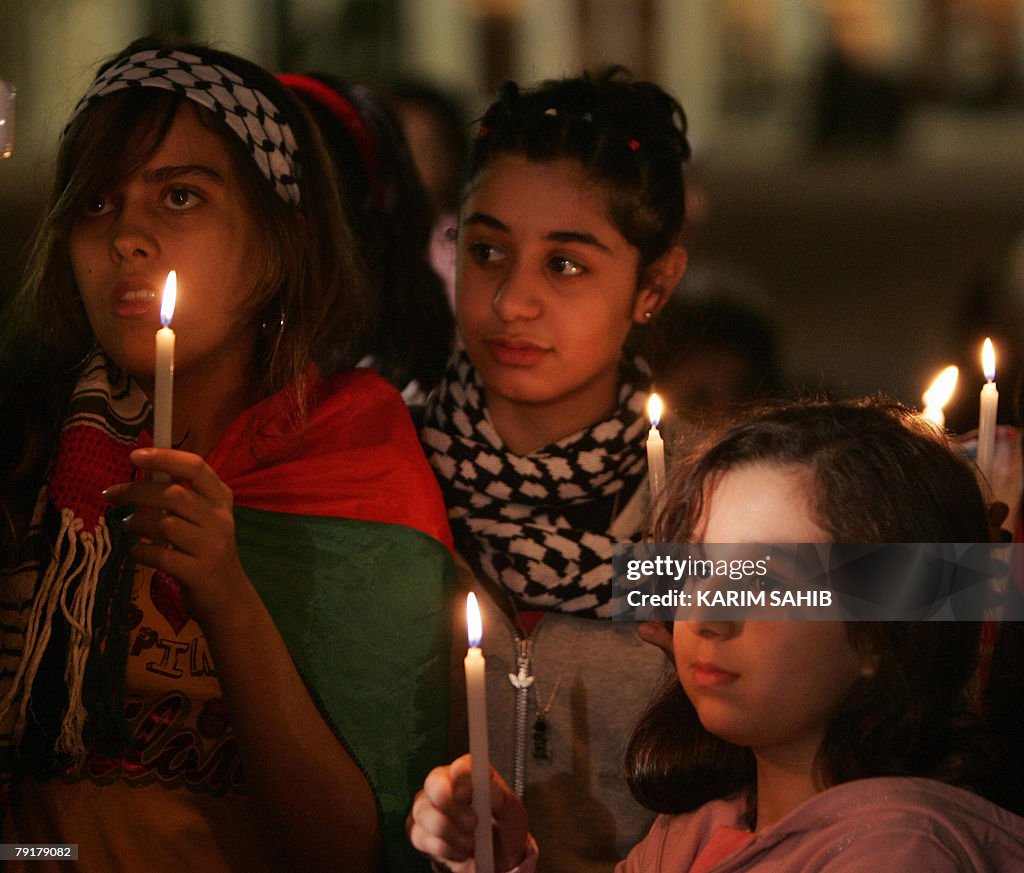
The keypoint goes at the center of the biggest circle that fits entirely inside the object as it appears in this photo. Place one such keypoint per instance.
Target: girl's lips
(711, 676)
(134, 301)
(516, 353)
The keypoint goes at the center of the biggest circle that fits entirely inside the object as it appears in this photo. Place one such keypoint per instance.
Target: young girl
(236, 667)
(568, 240)
(801, 745)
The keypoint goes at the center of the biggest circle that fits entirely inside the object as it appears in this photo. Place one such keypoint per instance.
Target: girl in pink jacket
(799, 745)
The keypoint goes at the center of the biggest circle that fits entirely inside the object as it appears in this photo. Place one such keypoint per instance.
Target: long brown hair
(309, 285)
(880, 474)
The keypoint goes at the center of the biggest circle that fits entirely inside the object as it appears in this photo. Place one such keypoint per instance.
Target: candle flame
(474, 623)
(654, 409)
(940, 391)
(988, 360)
(169, 298)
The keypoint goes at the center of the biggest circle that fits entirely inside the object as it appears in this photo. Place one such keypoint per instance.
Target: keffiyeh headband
(250, 114)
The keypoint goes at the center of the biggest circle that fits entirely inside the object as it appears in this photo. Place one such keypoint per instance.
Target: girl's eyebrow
(577, 236)
(162, 174)
(486, 220)
(564, 236)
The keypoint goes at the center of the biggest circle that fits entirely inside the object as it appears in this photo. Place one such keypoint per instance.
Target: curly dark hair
(881, 474)
(627, 136)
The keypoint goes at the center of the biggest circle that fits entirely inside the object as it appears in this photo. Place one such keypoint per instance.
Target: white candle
(655, 450)
(163, 390)
(938, 395)
(987, 413)
(476, 703)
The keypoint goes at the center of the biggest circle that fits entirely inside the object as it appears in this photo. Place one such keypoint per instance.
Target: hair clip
(551, 111)
(634, 144)
(586, 116)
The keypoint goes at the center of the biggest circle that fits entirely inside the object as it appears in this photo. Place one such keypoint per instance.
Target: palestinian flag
(346, 539)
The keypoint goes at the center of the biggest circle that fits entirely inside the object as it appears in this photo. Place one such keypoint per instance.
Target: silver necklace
(522, 680)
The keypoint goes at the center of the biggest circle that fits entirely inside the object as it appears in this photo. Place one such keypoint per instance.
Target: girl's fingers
(460, 775)
(195, 488)
(156, 500)
(658, 633)
(165, 529)
(160, 557)
(511, 824)
(449, 790)
(444, 820)
(184, 467)
(435, 834)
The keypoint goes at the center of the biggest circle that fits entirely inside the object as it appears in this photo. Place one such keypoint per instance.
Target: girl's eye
(181, 198)
(771, 583)
(565, 267)
(485, 253)
(96, 205)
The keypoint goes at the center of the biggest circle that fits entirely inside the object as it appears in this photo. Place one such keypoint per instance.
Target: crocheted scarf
(73, 560)
(508, 511)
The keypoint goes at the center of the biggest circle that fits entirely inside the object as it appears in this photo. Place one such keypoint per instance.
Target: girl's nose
(131, 237)
(516, 297)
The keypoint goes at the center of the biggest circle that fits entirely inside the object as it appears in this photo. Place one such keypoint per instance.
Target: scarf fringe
(75, 555)
(97, 548)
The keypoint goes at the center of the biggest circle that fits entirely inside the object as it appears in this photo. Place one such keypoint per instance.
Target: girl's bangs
(110, 141)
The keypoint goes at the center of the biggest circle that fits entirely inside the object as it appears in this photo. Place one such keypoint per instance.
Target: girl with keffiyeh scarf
(568, 239)
(231, 654)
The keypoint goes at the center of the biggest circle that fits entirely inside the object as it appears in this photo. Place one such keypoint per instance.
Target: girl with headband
(230, 654)
(568, 242)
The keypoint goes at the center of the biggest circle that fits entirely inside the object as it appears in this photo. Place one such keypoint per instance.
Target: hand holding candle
(938, 395)
(163, 390)
(987, 412)
(476, 703)
(655, 450)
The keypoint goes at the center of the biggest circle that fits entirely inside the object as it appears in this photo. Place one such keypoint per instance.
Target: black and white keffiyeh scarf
(249, 112)
(508, 512)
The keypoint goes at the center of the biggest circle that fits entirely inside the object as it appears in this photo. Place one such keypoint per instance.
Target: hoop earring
(268, 323)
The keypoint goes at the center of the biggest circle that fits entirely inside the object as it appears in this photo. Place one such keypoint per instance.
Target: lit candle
(987, 413)
(655, 449)
(163, 392)
(938, 395)
(476, 703)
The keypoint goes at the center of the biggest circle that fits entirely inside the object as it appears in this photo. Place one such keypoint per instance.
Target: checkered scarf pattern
(507, 511)
(250, 114)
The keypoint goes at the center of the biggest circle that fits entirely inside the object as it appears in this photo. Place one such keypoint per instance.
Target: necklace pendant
(541, 749)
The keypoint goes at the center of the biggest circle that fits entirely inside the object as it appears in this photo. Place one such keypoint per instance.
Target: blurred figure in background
(391, 216)
(711, 352)
(860, 99)
(436, 131)
(714, 346)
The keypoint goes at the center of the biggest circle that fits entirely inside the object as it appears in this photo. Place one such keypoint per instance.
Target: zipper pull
(522, 679)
